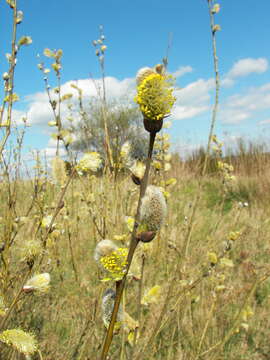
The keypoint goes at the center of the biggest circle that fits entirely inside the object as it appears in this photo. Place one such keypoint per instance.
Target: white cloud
(193, 99)
(182, 70)
(245, 67)
(47, 152)
(226, 82)
(240, 107)
(16, 117)
(264, 122)
(234, 116)
(93, 87)
(40, 112)
(197, 92)
(187, 112)
(50, 152)
(52, 143)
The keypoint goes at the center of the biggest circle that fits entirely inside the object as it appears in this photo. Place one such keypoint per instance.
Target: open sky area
(137, 34)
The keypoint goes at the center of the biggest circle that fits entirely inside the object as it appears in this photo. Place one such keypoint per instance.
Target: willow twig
(133, 245)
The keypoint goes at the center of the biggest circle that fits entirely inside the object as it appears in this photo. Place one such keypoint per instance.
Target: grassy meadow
(207, 308)
(186, 260)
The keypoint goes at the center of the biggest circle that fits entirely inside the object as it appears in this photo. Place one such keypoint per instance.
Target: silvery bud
(143, 73)
(108, 300)
(5, 76)
(152, 213)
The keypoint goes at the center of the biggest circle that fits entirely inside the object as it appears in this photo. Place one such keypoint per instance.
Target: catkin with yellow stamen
(154, 96)
(111, 258)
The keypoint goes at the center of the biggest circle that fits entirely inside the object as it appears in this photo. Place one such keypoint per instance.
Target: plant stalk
(133, 245)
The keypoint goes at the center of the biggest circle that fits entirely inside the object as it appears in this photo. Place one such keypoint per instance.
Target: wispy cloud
(50, 152)
(264, 122)
(245, 67)
(242, 106)
(193, 99)
(39, 111)
(187, 112)
(182, 70)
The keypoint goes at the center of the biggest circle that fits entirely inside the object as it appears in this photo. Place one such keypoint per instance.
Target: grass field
(213, 300)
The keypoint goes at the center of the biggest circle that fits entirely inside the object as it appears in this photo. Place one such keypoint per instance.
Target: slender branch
(211, 131)
(15, 300)
(217, 87)
(11, 81)
(72, 256)
(58, 119)
(59, 206)
(133, 245)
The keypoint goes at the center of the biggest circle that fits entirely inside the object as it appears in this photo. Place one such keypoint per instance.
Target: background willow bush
(199, 290)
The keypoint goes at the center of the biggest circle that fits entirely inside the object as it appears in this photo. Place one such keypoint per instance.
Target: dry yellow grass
(201, 305)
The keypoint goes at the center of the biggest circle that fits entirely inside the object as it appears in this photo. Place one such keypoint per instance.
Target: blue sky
(137, 35)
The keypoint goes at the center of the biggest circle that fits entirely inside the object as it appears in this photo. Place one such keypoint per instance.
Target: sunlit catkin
(154, 95)
(153, 209)
(23, 342)
(39, 283)
(91, 161)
